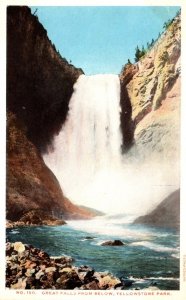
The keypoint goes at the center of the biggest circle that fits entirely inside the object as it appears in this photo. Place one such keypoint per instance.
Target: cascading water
(87, 159)
(87, 150)
(90, 139)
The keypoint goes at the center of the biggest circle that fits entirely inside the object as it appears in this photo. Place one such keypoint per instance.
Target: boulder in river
(113, 243)
(89, 238)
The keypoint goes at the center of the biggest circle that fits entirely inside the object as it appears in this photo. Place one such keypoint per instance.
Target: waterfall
(87, 160)
(91, 139)
(88, 146)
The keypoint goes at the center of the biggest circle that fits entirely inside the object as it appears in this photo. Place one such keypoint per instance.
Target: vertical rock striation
(153, 88)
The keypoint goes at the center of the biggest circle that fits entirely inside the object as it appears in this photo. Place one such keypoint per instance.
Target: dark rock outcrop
(166, 214)
(39, 81)
(126, 123)
(89, 237)
(113, 243)
(35, 218)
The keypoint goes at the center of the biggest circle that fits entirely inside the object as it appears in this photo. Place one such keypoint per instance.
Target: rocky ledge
(31, 268)
(35, 218)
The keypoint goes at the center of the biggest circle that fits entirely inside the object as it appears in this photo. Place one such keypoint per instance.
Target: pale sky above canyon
(100, 39)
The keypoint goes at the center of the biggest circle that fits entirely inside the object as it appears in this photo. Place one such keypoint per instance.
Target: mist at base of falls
(87, 159)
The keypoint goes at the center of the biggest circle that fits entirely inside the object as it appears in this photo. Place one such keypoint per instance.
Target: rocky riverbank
(31, 268)
(47, 222)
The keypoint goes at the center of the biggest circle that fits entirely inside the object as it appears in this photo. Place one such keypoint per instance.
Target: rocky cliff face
(153, 87)
(39, 87)
(33, 192)
(166, 214)
(39, 81)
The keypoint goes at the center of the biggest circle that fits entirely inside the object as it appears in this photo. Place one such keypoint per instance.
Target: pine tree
(143, 51)
(152, 43)
(167, 24)
(137, 54)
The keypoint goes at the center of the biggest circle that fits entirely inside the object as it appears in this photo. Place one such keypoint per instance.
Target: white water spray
(87, 159)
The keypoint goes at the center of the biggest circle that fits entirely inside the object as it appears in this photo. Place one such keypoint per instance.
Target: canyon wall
(39, 81)
(166, 214)
(153, 87)
(33, 192)
(39, 87)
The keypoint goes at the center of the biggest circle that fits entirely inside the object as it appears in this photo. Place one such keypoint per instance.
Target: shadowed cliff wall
(39, 81)
(39, 87)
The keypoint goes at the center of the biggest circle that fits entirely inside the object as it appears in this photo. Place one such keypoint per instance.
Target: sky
(101, 39)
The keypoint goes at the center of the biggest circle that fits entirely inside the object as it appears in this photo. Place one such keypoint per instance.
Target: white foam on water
(146, 279)
(103, 226)
(14, 231)
(153, 246)
(163, 278)
(176, 255)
